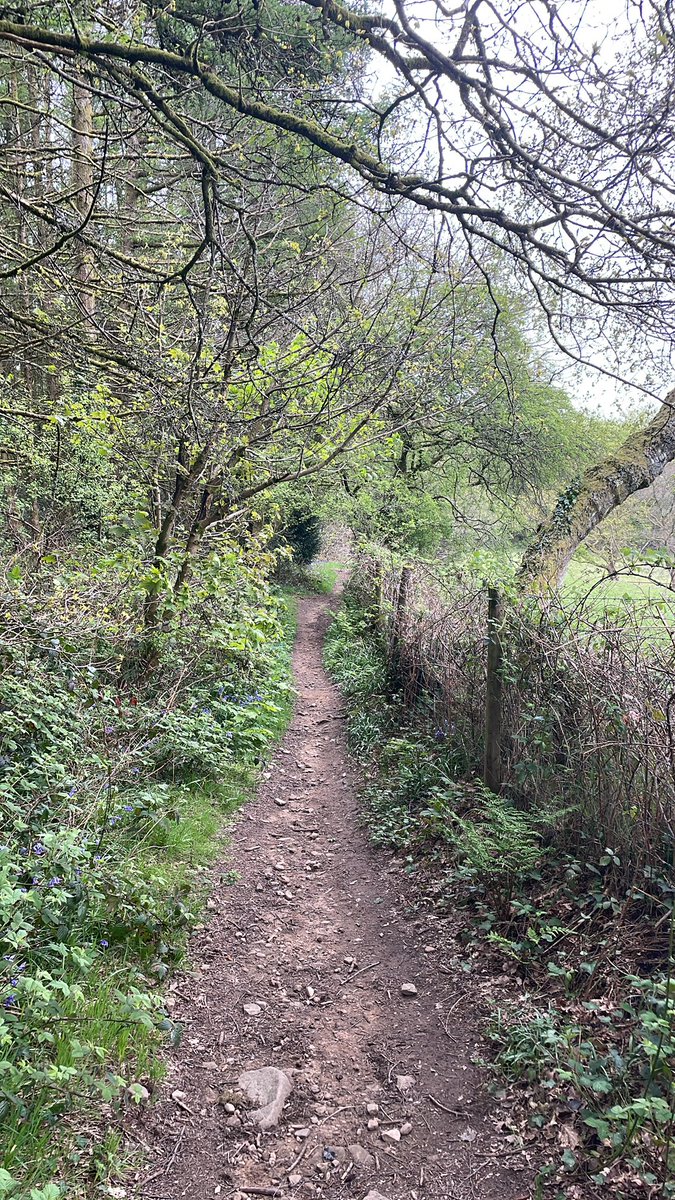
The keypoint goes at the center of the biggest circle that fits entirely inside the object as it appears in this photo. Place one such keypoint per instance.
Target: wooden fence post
(398, 617)
(492, 767)
(378, 589)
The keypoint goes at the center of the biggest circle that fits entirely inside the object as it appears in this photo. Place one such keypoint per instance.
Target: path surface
(317, 934)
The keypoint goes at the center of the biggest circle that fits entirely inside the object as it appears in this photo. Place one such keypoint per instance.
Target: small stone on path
(391, 1135)
(360, 1156)
(373, 1195)
(252, 1010)
(408, 989)
(269, 1088)
(406, 1128)
(405, 1083)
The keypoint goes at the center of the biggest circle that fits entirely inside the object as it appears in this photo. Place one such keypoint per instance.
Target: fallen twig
(454, 1112)
(359, 972)
(261, 1191)
(299, 1158)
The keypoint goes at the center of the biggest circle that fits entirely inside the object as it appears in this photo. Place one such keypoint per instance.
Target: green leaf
(7, 1182)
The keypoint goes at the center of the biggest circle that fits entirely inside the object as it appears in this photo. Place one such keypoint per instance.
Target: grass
(174, 862)
(324, 576)
(319, 577)
(641, 599)
(587, 579)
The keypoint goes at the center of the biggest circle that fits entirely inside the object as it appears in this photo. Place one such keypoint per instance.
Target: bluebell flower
(104, 944)
(39, 849)
(128, 808)
(9, 1001)
(72, 792)
(54, 882)
(109, 729)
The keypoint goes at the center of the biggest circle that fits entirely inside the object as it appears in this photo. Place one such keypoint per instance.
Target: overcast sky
(604, 24)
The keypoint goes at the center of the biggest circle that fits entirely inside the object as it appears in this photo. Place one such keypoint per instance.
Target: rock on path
(315, 928)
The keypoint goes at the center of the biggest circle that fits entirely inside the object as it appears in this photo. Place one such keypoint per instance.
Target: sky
(603, 24)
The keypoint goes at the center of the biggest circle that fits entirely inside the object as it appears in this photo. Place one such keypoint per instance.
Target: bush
(302, 533)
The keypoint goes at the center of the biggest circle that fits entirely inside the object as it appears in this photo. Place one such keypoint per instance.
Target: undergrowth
(319, 578)
(112, 799)
(587, 1053)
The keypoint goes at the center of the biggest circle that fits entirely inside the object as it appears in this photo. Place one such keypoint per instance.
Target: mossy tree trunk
(601, 489)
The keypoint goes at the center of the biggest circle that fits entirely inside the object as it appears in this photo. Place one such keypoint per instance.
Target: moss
(588, 500)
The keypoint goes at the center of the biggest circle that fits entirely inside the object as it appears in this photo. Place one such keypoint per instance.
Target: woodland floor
(319, 931)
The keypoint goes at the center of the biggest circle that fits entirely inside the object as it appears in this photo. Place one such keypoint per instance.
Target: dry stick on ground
(359, 972)
(299, 1158)
(262, 1191)
(454, 1112)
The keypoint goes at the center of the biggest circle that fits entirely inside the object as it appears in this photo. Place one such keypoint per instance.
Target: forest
(337, 436)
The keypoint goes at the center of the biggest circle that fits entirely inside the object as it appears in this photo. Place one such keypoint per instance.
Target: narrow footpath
(312, 963)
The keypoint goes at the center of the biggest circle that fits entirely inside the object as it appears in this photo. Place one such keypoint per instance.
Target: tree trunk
(83, 188)
(601, 489)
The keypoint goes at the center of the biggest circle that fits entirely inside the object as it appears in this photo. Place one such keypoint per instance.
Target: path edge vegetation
(82, 1042)
(585, 1076)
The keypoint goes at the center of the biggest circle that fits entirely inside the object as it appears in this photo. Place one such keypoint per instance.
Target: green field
(644, 595)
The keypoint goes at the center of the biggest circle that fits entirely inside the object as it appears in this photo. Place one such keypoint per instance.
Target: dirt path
(317, 937)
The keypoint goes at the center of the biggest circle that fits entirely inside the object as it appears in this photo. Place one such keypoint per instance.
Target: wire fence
(569, 713)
